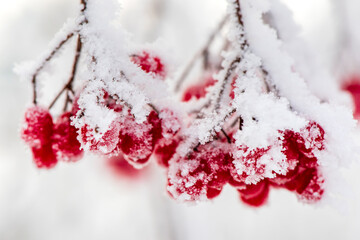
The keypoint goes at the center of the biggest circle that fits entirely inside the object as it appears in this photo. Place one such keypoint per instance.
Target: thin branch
(227, 136)
(68, 85)
(43, 64)
(228, 74)
(203, 52)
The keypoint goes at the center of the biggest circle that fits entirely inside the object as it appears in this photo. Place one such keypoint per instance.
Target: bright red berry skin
(165, 150)
(65, 142)
(315, 189)
(199, 175)
(198, 91)
(44, 156)
(255, 195)
(106, 144)
(38, 127)
(137, 140)
(352, 85)
(304, 179)
(149, 64)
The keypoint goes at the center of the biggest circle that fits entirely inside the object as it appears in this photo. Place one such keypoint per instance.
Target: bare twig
(203, 52)
(43, 64)
(226, 135)
(68, 85)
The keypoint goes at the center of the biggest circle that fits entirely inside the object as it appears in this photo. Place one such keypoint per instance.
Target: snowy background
(85, 200)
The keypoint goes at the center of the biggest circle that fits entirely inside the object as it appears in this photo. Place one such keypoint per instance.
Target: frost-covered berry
(199, 175)
(136, 140)
(249, 166)
(38, 127)
(65, 142)
(282, 180)
(301, 146)
(314, 138)
(150, 63)
(170, 123)
(103, 143)
(44, 156)
(255, 194)
(165, 150)
(198, 90)
(156, 130)
(111, 102)
(315, 189)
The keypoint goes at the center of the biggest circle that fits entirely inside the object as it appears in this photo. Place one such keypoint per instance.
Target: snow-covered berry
(38, 127)
(199, 175)
(65, 142)
(150, 63)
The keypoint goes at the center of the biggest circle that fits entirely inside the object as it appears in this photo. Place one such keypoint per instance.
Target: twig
(68, 85)
(203, 52)
(227, 136)
(43, 64)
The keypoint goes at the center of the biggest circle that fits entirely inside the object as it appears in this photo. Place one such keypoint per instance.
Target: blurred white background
(85, 200)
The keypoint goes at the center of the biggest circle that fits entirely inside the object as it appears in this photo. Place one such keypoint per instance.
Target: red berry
(156, 129)
(110, 102)
(65, 142)
(136, 141)
(44, 156)
(255, 194)
(150, 64)
(165, 150)
(105, 144)
(251, 168)
(198, 91)
(314, 190)
(170, 123)
(38, 127)
(281, 180)
(201, 174)
(352, 85)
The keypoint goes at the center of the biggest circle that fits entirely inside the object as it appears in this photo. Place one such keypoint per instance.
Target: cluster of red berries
(202, 173)
(50, 141)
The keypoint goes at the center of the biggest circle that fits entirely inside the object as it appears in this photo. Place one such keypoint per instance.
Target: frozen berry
(255, 194)
(170, 123)
(65, 142)
(94, 141)
(352, 85)
(38, 127)
(199, 175)
(136, 141)
(248, 166)
(150, 63)
(199, 90)
(44, 156)
(165, 150)
(314, 190)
